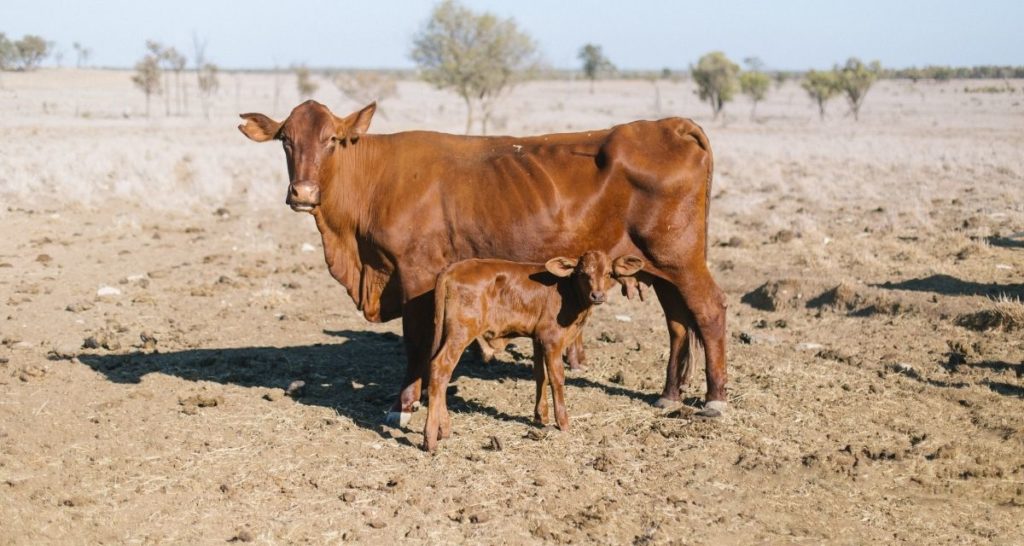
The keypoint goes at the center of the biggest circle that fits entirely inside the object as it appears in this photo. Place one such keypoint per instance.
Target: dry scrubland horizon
(873, 271)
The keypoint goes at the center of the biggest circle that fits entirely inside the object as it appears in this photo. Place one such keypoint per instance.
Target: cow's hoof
(665, 403)
(397, 419)
(714, 408)
(416, 406)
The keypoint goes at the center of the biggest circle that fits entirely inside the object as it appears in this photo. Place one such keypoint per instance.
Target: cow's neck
(348, 182)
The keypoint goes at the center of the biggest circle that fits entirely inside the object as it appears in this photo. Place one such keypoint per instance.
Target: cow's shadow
(952, 286)
(358, 377)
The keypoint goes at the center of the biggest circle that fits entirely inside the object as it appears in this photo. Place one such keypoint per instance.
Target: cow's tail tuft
(695, 346)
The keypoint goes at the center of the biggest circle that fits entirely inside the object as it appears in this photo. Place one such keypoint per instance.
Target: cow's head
(592, 273)
(311, 135)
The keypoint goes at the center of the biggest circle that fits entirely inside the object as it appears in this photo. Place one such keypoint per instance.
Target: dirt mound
(1005, 314)
(860, 301)
(776, 295)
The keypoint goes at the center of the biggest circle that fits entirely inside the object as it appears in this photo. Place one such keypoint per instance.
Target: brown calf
(494, 299)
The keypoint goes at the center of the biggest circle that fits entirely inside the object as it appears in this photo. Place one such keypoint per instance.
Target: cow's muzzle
(303, 196)
(597, 298)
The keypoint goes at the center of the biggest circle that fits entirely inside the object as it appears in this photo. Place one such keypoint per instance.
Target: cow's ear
(355, 125)
(259, 127)
(627, 266)
(560, 267)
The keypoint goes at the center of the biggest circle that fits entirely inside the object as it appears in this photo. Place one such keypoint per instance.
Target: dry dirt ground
(157, 299)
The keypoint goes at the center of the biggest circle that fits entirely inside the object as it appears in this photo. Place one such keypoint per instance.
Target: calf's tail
(440, 298)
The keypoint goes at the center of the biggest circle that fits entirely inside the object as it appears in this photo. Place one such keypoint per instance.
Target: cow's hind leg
(418, 335)
(677, 318)
(702, 297)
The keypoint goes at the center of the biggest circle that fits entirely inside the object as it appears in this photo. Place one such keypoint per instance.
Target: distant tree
(8, 53)
(147, 77)
(854, 79)
(366, 86)
(594, 63)
(82, 54)
(780, 77)
(755, 84)
(198, 62)
(208, 85)
(176, 63)
(32, 50)
(478, 56)
(717, 79)
(158, 52)
(821, 86)
(304, 81)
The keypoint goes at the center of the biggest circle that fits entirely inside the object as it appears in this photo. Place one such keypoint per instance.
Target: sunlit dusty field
(874, 271)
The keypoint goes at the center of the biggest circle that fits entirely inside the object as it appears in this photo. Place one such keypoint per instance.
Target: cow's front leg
(417, 333)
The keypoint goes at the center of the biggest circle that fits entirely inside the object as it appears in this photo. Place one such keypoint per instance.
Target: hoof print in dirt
(537, 434)
(192, 404)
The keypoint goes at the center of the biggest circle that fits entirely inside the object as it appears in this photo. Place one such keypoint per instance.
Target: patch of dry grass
(1005, 313)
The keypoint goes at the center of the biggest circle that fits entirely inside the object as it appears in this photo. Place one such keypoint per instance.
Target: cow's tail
(695, 347)
(440, 298)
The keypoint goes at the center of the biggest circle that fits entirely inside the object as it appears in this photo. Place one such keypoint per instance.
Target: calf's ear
(627, 266)
(355, 125)
(560, 267)
(259, 127)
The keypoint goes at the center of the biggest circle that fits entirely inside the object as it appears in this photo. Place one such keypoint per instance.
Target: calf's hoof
(397, 419)
(714, 408)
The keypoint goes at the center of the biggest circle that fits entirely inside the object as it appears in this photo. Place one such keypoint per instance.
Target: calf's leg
(441, 368)
(575, 355)
(556, 375)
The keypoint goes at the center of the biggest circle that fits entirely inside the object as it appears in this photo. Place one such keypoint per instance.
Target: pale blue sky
(637, 34)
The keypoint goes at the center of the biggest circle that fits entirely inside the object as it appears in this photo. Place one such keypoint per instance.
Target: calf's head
(592, 274)
(311, 136)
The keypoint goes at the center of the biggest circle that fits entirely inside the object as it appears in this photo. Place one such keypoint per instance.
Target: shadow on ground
(359, 378)
(1013, 241)
(951, 286)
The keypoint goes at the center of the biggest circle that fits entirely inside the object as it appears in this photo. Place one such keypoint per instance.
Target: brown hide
(394, 210)
(409, 204)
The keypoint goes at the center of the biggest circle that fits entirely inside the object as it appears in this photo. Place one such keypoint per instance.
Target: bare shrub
(304, 81)
(366, 86)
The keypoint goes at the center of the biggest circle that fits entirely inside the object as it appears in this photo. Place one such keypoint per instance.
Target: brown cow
(500, 299)
(394, 210)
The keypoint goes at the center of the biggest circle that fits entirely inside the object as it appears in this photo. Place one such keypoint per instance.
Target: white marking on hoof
(714, 408)
(397, 419)
(665, 403)
(416, 406)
